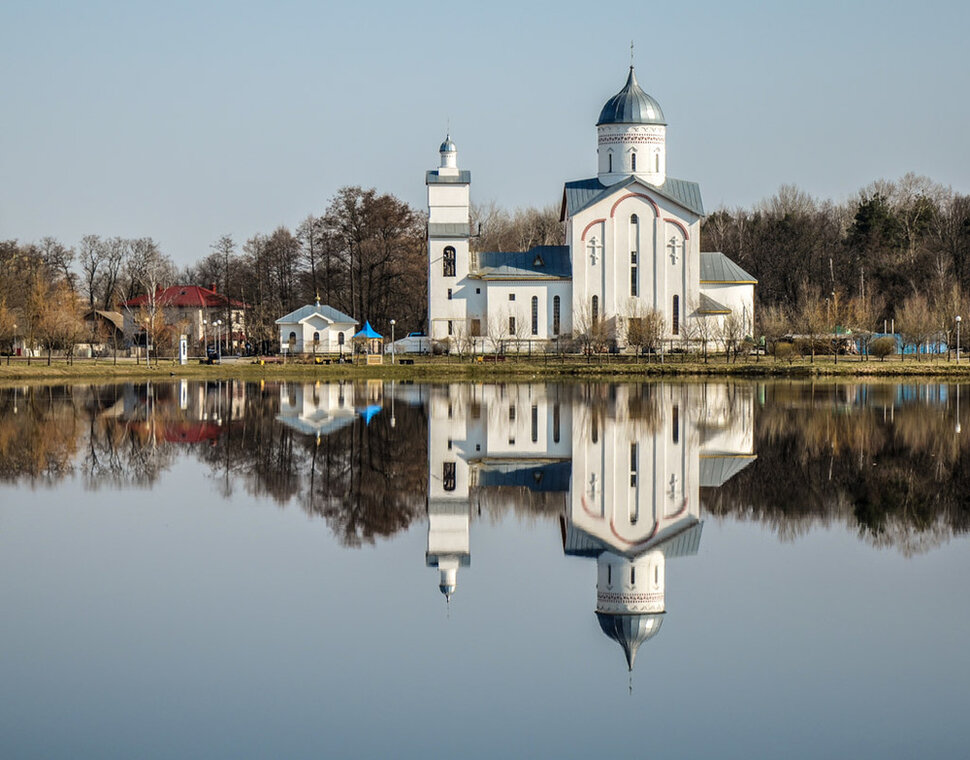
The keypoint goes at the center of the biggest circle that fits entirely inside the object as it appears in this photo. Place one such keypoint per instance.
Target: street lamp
(959, 320)
(393, 322)
(218, 324)
(205, 339)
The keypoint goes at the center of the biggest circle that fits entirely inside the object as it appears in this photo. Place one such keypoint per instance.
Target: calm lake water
(393, 570)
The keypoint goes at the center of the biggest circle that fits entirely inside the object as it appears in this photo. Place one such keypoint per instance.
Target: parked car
(413, 343)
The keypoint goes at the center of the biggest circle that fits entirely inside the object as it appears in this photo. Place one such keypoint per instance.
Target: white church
(632, 246)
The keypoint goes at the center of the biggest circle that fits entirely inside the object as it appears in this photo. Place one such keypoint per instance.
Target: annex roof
(708, 305)
(187, 296)
(541, 262)
(716, 267)
(718, 469)
(683, 543)
(582, 193)
(327, 312)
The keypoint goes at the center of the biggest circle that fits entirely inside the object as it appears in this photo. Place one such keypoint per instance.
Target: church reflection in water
(623, 466)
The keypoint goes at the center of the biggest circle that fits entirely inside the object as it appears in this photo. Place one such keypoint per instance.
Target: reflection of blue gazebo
(372, 342)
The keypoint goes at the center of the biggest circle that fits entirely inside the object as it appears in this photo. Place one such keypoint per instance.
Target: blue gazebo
(372, 342)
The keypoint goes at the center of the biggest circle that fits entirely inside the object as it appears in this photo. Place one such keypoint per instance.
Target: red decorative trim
(592, 223)
(628, 542)
(656, 208)
(682, 228)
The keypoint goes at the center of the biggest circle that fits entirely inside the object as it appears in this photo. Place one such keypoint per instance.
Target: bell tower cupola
(632, 136)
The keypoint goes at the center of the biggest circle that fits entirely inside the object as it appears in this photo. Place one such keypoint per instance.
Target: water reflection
(620, 466)
(626, 472)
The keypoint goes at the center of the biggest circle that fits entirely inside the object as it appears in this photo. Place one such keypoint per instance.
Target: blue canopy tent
(372, 343)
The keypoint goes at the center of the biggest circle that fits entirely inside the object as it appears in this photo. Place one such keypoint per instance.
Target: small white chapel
(632, 246)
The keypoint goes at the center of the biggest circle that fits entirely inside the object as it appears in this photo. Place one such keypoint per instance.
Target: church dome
(447, 146)
(631, 105)
(630, 631)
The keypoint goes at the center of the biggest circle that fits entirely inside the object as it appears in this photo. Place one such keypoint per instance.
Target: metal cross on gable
(673, 486)
(592, 251)
(673, 245)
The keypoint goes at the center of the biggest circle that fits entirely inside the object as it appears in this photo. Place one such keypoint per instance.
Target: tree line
(897, 252)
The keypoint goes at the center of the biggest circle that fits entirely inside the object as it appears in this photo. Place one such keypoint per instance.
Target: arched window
(675, 424)
(609, 161)
(633, 576)
(555, 423)
(535, 315)
(340, 339)
(633, 161)
(656, 162)
(634, 255)
(609, 575)
(634, 219)
(596, 309)
(316, 337)
(675, 319)
(448, 262)
(555, 315)
(535, 423)
(448, 476)
(292, 338)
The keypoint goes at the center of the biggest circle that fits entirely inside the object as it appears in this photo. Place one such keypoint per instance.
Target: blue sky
(185, 121)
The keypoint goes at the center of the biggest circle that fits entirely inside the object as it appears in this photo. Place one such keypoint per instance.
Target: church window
(656, 162)
(476, 328)
(675, 320)
(633, 161)
(511, 325)
(511, 296)
(634, 285)
(512, 413)
(449, 294)
(451, 328)
(448, 476)
(340, 339)
(609, 161)
(555, 423)
(656, 575)
(675, 428)
(535, 315)
(535, 423)
(448, 262)
(633, 576)
(595, 309)
(478, 291)
(633, 464)
(609, 575)
(556, 303)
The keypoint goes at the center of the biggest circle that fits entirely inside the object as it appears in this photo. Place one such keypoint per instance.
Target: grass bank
(444, 369)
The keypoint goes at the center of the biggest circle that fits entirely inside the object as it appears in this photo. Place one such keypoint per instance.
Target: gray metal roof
(543, 478)
(541, 262)
(464, 177)
(631, 105)
(327, 312)
(716, 267)
(709, 306)
(583, 193)
(685, 543)
(448, 229)
(447, 146)
(630, 631)
(718, 470)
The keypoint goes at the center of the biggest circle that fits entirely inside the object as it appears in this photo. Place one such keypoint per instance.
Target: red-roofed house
(193, 311)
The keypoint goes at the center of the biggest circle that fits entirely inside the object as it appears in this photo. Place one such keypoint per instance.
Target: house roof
(113, 317)
(718, 469)
(327, 312)
(582, 193)
(541, 262)
(716, 267)
(368, 332)
(187, 296)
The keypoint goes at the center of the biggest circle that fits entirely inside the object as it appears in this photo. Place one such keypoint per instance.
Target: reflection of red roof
(187, 295)
(186, 431)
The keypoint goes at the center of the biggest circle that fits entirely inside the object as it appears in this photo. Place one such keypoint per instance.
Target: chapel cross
(673, 250)
(673, 486)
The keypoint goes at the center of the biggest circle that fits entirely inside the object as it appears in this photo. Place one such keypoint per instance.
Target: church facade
(632, 237)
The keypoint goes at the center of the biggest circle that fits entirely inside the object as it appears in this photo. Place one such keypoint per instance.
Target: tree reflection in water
(885, 460)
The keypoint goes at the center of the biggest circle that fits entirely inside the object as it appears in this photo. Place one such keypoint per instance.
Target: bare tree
(775, 324)
(917, 322)
(7, 328)
(811, 317)
(152, 271)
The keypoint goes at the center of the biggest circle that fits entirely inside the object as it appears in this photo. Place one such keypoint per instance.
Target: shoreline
(448, 369)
